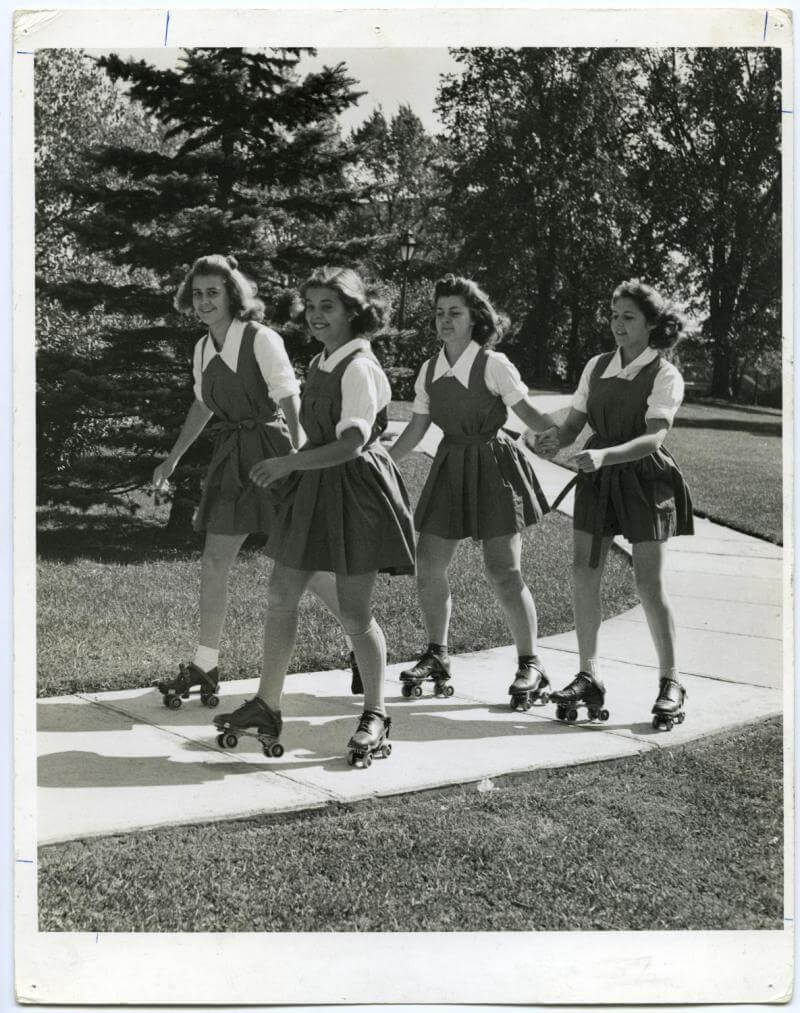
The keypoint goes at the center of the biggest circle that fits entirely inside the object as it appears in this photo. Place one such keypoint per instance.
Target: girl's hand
(161, 476)
(590, 460)
(271, 470)
(546, 444)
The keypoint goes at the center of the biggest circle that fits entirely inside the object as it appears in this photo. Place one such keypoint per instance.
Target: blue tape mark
(25, 861)
(25, 52)
(166, 29)
(766, 18)
(789, 111)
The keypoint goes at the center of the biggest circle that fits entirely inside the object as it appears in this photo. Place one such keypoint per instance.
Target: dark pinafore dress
(249, 426)
(481, 484)
(350, 518)
(645, 500)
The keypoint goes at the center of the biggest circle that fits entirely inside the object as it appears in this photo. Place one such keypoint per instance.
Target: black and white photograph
(403, 471)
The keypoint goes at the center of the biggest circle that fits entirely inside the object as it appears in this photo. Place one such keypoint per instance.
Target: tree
(711, 170)
(251, 164)
(541, 194)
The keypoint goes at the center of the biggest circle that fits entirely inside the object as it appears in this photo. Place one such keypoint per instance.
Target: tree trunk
(722, 366)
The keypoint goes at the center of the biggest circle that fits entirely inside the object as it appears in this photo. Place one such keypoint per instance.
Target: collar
(461, 368)
(615, 367)
(230, 345)
(327, 363)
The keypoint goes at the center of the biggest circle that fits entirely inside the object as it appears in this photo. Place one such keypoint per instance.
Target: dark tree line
(558, 172)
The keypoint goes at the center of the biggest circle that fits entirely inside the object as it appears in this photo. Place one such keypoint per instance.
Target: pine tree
(251, 164)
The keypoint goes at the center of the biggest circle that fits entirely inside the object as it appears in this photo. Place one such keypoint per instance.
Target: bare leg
(286, 587)
(323, 585)
(369, 646)
(434, 555)
(218, 557)
(648, 568)
(586, 597)
(501, 557)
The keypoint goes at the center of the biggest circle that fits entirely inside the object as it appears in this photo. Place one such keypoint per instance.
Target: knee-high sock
(280, 631)
(369, 648)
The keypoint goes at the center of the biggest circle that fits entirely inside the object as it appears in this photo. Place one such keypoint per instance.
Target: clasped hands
(545, 444)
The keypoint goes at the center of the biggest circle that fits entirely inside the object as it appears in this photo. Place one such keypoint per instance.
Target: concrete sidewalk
(116, 762)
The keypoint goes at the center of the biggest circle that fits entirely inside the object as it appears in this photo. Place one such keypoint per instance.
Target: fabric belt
(465, 441)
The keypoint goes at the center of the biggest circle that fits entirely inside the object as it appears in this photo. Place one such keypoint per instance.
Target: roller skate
(356, 685)
(429, 668)
(530, 686)
(584, 691)
(178, 689)
(371, 738)
(668, 708)
(254, 719)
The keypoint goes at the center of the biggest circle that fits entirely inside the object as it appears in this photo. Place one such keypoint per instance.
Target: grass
(686, 838)
(148, 582)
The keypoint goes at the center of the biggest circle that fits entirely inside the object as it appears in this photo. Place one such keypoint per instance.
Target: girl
(242, 375)
(480, 485)
(342, 507)
(627, 484)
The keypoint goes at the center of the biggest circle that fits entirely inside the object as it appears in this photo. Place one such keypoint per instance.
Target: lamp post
(407, 246)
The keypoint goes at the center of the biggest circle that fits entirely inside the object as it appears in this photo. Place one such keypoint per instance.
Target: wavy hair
(241, 290)
(668, 323)
(370, 308)
(488, 326)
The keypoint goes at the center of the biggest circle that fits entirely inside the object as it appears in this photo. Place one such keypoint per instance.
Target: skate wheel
(669, 724)
(572, 715)
(680, 718)
(231, 741)
(165, 701)
(221, 741)
(526, 703)
(351, 759)
(417, 691)
(275, 750)
(544, 698)
(406, 691)
(211, 701)
(560, 713)
(173, 702)
(448, 691)
(366, 760)
(592, 714)
(656, 721)
(604, 715)
(387, 750)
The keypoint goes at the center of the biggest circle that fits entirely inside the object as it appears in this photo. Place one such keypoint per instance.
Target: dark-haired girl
(627, 484)
(481, 484)
(243, 378)
(341, 506)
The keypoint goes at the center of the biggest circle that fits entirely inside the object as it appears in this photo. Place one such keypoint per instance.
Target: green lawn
(687, 838)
